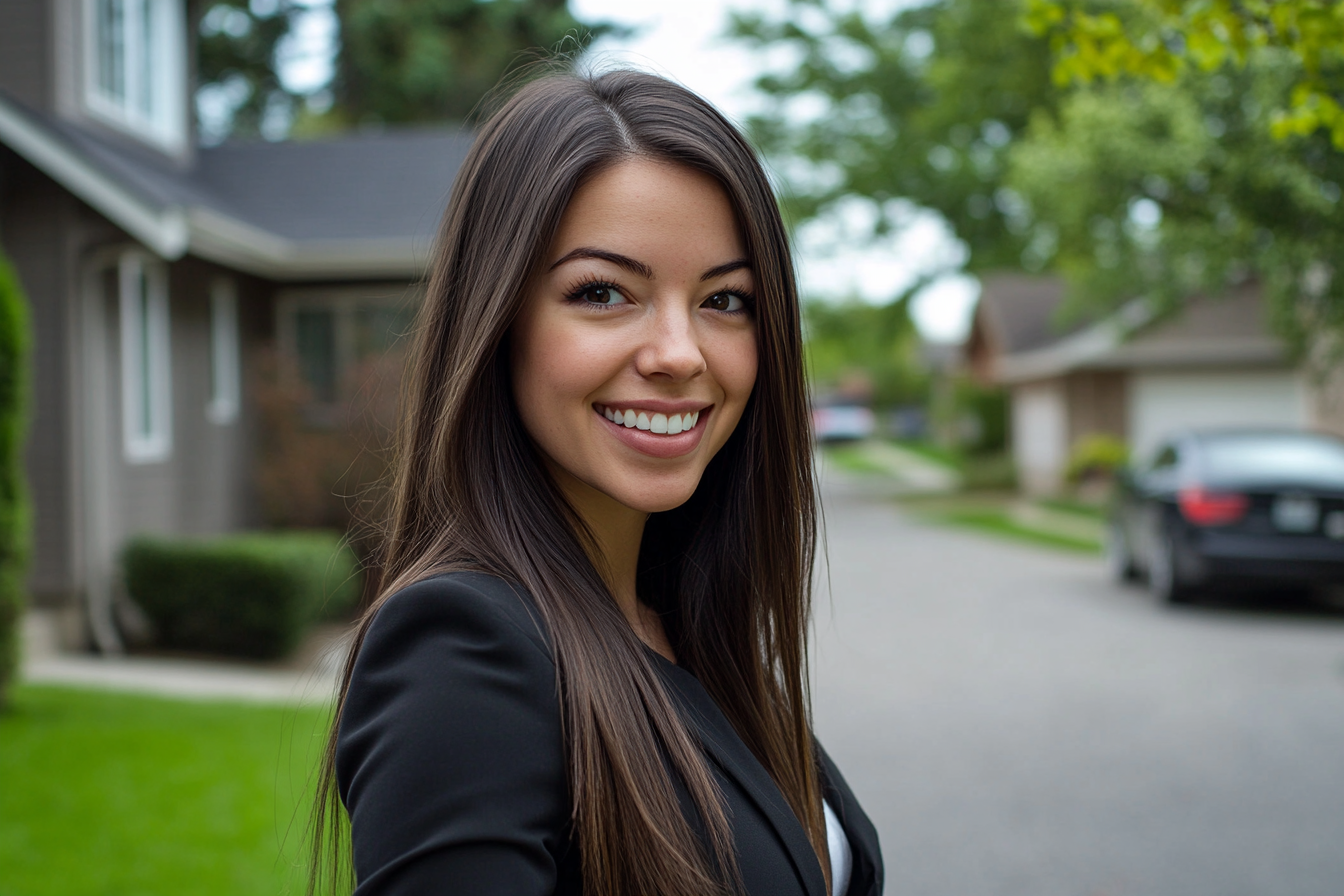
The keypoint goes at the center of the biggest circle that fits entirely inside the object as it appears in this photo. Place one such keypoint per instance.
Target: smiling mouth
(650, 421)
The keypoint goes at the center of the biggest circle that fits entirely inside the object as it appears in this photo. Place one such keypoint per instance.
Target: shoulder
(450, 737)
(468, 604)
(454, 665)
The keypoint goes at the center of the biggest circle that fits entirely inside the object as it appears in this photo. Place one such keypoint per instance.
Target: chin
(655, 501)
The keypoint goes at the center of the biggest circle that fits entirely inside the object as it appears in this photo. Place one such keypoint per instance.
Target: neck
(617, 533)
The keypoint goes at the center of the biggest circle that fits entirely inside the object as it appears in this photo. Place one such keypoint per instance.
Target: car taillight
(1211, 508)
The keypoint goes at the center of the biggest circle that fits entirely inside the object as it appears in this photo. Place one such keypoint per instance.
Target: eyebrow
(615, 258)
(639, 267)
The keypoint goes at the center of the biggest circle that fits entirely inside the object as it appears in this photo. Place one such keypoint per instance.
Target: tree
(1161, 39)
(1148, 187)
(399, 61)
(919, 108)
(14, 343)
(1166, 190)
(873, 347)
(433, 60)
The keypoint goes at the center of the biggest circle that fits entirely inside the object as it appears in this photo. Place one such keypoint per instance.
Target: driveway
(1018, 726)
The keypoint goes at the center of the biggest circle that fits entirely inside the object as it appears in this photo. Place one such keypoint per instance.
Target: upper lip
(658, 405)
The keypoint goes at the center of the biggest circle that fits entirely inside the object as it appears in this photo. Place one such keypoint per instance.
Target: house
(1132, 375)
(159, 271)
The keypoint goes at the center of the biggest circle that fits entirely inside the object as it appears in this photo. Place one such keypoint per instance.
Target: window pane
(1286, 458)
(110, 46)
(144, 362)
(143, 101)
(378, 328)
(315, 338)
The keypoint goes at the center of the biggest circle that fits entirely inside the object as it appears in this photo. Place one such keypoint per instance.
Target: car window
(1287, 457)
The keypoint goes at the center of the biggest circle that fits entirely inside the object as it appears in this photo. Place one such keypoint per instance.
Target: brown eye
(724, 301)
(600, 294)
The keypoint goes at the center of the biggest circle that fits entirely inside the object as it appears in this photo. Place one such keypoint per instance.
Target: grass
(107, 794)
(999, 522)
(1006, 515)
(854, 457)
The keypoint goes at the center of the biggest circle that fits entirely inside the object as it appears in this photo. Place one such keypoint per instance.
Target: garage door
(1163, 403)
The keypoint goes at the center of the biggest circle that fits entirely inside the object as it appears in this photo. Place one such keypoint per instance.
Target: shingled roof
(1015, 336)
(367, 204)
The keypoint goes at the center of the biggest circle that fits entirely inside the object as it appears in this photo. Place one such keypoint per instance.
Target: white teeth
(662, 424)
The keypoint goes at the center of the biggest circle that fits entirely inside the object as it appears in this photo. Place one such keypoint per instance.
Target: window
(224, 354)
(146, 389)
(335, 341)
(135, 67)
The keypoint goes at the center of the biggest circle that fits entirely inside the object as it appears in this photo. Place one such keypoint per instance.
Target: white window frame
(225, 354)
(146, 360)
(161, 53)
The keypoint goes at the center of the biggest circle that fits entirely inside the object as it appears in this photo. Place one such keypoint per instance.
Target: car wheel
(1119, 559)
(1163, 579)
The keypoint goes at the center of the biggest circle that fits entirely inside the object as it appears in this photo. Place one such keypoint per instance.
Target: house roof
(364, 205)
(1208, 332)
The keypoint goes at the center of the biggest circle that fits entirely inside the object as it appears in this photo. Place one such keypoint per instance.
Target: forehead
(657, 212)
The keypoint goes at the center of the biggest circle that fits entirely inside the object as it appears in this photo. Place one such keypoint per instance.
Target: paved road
(1017, 726)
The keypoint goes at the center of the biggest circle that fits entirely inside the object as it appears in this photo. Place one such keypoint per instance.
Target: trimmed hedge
(250, 595)
(13, 497)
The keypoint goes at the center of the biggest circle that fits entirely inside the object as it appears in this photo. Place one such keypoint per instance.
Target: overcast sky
(682, 39)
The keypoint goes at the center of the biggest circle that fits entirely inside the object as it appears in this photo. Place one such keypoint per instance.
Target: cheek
(735, 363)
(554, 368)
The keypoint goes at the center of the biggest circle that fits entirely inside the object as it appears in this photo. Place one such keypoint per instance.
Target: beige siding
(1096, 404)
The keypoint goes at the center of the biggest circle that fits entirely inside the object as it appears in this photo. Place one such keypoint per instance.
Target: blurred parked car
(842, 422)
(1232, 507)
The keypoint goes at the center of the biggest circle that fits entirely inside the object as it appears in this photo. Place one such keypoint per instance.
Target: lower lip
(655, 445)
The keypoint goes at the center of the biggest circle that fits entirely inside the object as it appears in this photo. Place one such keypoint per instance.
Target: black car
(1232, 507)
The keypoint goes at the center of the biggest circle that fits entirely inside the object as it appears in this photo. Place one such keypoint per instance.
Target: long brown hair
(730, 570)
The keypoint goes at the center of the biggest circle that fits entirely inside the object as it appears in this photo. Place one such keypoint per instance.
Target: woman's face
(635, 352)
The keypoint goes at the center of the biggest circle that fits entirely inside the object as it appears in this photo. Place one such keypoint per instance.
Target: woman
(586, 670)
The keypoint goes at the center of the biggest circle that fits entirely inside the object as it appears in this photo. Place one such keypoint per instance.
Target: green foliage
(1162, 39)
(399, 61)
(245, 595)
(1096, 456)
(14, 341)
(1171, 190)
(110, 793)
(1161, 187)
(236, 55)
(988, 407)
(875, 345)
(920, 107)
(433, 60)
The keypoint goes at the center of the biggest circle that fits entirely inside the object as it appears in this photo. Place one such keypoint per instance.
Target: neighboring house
(159, 271)
(1128, 375)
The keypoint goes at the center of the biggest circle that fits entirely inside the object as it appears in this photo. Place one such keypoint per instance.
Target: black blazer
(451, 763)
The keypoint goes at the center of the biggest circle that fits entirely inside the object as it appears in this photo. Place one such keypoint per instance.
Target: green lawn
(106, 794)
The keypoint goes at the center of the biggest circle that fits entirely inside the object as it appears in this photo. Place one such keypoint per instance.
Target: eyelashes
(579, 292)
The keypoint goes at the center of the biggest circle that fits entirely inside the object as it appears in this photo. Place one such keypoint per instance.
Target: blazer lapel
(723, 745)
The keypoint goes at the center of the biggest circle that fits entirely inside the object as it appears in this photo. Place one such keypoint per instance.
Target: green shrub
(1096, 457)
(13, 500)
(249, 595)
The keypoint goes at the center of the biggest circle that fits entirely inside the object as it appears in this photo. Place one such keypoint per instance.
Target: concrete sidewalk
(311, 678)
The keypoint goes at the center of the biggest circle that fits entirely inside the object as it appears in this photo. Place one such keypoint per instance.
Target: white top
(837, 844)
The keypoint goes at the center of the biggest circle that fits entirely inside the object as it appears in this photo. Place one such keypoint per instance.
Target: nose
(670, 345)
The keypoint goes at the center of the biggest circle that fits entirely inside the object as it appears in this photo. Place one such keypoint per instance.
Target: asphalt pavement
(1016, 725)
